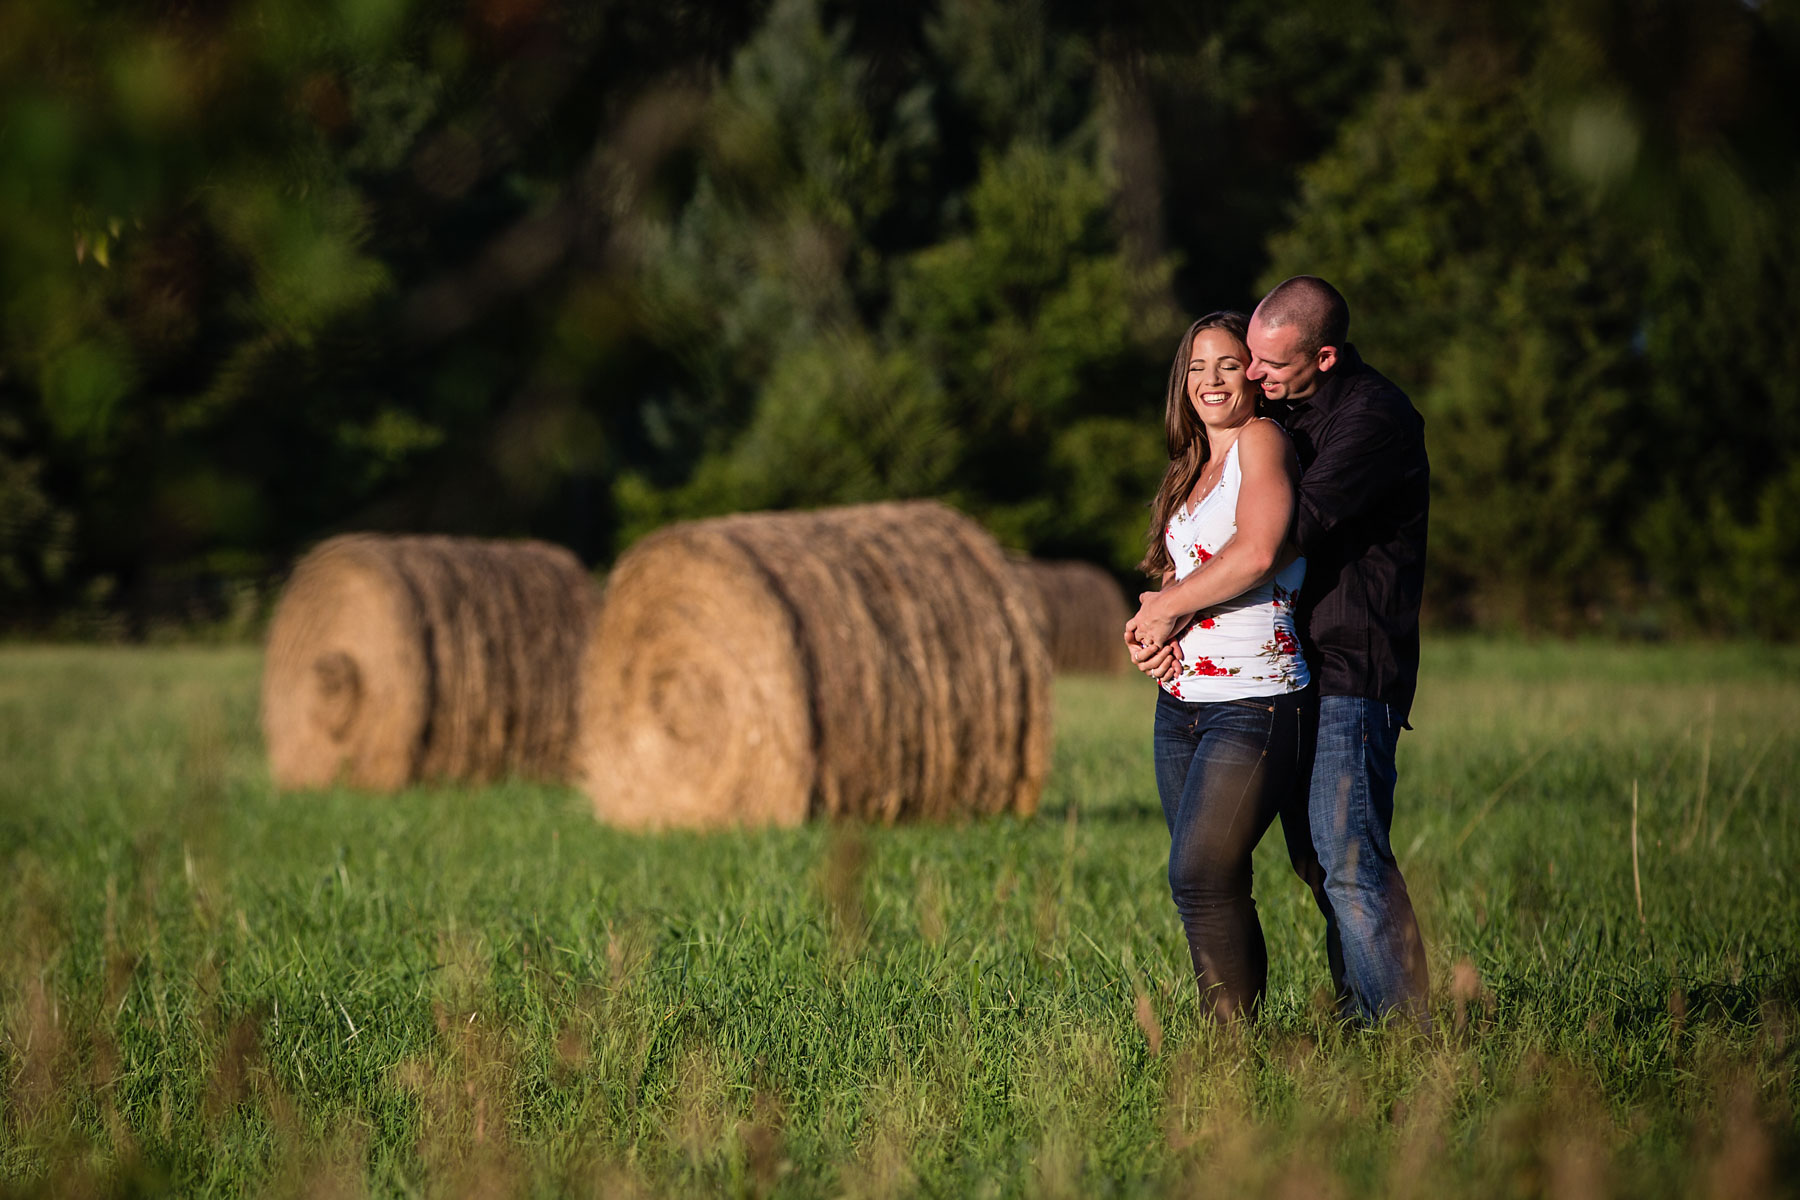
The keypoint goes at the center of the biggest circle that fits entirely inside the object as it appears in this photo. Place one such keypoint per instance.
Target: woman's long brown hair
(1187, 437)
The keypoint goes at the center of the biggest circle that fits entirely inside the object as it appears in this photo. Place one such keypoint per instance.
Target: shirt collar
(1331, 385)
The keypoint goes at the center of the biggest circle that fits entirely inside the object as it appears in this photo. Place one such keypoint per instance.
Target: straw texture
(1081, 612)
(397, 659)
(878, 661)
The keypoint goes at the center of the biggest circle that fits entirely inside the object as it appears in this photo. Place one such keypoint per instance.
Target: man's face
(1281, 363)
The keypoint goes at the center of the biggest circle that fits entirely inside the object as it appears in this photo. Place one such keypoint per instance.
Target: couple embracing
(1289, 538)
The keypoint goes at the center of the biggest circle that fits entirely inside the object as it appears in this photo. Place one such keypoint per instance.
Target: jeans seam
(1361, 789)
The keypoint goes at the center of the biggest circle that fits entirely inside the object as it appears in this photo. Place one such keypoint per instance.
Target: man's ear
(1328, 357)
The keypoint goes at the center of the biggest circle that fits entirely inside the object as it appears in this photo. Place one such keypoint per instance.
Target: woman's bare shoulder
(1266, 448)
(1264, 434)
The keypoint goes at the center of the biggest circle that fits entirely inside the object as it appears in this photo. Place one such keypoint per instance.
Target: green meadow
(211, 988)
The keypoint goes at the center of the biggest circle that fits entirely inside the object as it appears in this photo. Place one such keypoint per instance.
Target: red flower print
(1175, 689)
(1202, 553)
(1207, 622)
(1284, 642)
(1206, 666)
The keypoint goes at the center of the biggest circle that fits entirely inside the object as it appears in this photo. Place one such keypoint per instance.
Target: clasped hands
(1152, 637)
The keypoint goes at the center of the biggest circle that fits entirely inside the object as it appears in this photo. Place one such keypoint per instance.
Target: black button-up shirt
(1364, 496)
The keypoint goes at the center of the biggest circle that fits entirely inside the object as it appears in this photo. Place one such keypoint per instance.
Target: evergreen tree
(1481, 283)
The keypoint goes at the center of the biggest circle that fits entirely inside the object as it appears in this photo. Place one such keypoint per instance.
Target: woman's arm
(1265, 518)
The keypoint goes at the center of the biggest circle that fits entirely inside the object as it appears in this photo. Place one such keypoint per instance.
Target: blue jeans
(1372, 937)
(1224, 770)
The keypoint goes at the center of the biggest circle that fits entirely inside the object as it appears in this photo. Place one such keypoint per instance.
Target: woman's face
(1216, 385)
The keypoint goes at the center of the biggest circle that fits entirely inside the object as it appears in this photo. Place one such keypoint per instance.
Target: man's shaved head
(1296, 335)
(1313, 307)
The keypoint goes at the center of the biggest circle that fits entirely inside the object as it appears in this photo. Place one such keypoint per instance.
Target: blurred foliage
(273, 269)
(1480, 280)
(1575, 238)
(873, 338)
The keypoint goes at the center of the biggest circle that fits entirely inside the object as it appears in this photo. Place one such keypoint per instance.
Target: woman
(1229, 713)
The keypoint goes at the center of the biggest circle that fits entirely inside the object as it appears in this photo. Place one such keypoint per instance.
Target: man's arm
(1370, 450)
(1265, 514)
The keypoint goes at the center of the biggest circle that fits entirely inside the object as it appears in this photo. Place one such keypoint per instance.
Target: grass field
(210, 988)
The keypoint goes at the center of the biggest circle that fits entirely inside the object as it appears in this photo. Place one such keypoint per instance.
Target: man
(1360, 522)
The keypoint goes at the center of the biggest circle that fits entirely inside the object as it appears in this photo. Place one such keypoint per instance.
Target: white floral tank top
(1245, 646)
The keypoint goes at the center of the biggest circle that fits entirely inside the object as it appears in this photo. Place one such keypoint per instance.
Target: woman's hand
(1156, 657)
(1155, 622)
(1161, 665)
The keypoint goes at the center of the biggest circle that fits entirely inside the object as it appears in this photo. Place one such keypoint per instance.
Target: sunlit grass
(208, 986)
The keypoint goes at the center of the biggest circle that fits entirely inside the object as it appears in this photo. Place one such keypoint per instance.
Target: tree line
(273, 270)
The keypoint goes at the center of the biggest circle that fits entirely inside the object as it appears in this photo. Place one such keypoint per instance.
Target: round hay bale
(1082, 612)
(397, 659)
(878, 661)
